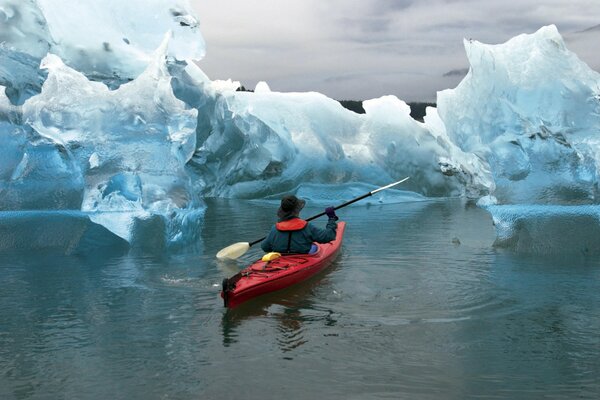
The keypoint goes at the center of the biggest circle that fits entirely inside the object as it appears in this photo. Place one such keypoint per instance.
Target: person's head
(290, 207)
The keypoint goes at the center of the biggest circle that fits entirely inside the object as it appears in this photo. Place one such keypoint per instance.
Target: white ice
(129, 146)
(110, 41)
(531, 109)
(267, 142)
(104, 110)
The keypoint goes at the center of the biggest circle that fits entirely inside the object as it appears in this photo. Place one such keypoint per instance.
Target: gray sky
(361, 49)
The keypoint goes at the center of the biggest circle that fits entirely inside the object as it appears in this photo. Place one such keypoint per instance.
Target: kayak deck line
(268, 267)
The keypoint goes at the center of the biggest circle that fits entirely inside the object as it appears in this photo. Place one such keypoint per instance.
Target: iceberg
(269, 142)
(130, 144)
(106, 118)
(531, 109)
(116, 154)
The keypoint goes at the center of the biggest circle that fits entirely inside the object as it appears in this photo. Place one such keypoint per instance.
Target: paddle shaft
(323, 213)
(341, 205)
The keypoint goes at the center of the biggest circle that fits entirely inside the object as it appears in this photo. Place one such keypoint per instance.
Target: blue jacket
(300, 235)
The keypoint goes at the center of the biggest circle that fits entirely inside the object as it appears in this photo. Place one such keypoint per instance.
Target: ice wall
(264, 143)
(103, 110)
(521, 126)
(117, 154)
(531, 109)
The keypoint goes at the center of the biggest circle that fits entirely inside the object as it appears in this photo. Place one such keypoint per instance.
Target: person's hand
(330, 211)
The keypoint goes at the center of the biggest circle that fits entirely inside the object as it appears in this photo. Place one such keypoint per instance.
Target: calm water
(419, 305)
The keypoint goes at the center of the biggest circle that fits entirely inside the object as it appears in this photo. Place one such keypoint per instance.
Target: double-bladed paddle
(234, 251)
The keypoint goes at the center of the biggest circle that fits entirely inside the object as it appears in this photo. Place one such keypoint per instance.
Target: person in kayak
(295, 235)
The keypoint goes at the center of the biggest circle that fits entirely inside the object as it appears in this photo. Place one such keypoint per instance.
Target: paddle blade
(233, 251)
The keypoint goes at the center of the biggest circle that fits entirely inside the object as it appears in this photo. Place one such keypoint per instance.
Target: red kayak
(264, 277)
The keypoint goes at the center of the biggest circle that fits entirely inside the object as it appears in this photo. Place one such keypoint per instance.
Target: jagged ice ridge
(125, 128)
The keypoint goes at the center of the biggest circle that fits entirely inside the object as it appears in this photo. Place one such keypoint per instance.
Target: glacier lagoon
(442, 315)
(121, 161)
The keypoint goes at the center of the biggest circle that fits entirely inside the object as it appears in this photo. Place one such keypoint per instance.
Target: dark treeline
(417, 109)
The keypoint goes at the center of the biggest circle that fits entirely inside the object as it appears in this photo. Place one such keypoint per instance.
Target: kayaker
(295, 235)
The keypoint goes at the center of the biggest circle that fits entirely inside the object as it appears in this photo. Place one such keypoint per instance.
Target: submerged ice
(105, 111)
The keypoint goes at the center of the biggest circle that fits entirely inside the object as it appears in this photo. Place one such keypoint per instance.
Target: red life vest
(294, 224)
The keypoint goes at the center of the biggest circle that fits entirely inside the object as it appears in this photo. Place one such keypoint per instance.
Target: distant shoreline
(417, 109)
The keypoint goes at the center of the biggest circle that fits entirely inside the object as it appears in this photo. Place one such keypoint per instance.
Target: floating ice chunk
(266, 142)
(521, 127)
(531, 109)
(529, 81)
(142, 133)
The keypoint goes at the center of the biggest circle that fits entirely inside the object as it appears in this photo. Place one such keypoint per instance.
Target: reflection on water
(286, 307)
(418, 305)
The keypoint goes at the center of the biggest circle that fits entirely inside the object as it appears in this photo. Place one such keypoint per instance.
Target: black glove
(330, 211)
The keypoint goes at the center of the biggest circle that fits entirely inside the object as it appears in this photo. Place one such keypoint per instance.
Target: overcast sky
(361, 49)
